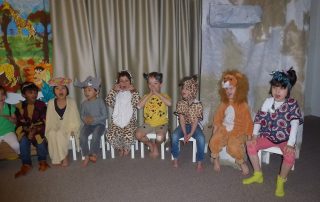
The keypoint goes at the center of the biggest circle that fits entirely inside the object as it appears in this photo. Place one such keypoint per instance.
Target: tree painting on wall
(25, 43)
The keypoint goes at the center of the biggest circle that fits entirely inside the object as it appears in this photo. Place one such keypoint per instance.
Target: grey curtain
(101, 37)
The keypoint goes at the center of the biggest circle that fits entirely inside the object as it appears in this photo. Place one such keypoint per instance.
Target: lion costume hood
(236, 79)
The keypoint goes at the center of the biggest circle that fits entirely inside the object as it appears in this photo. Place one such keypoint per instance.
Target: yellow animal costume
(232, 121)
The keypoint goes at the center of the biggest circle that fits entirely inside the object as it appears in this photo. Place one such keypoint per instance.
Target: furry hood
(237, 79)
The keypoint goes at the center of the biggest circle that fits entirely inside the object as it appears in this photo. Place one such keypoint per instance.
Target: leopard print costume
(122, 138)
(192, 112)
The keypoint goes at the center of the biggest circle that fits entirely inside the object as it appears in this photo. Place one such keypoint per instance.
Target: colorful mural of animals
(25, 43)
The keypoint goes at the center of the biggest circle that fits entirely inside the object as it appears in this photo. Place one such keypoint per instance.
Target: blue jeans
(96, 131)
(25, 151)
(198, 135)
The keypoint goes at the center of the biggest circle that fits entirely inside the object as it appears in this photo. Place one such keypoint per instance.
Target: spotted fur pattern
(122, 138)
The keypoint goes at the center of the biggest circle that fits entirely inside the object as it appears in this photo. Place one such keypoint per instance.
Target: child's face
(124, 83)
(154, 84)
(185, 93)
(31, 96)
(279, 93)
(230, 91)
(61, 92)
(2, 96)
(90, 93)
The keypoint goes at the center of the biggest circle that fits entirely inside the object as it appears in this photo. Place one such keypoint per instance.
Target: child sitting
(62, 121)
(93, 113)
(31, 118)
(189, 111)
(123, 98)
(232, 121)
(155, 113)
(276, 125)
(7, 122)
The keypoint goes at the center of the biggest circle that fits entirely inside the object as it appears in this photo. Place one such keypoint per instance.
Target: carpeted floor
(124, 179)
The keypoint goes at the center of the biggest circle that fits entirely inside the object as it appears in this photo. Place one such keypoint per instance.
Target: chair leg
(137, 145)
(103, 147)
(267, 157)
(194, 151)
(82, 157)
(142, 150)
(206, 148)
(112, 151)
(108, 146)
(73, 145)
(259, 156)
(132, 151)
(162, 150)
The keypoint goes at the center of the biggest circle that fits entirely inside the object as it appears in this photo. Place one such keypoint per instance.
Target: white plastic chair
(264, 155)
(102, 143)
(73, 147)
(194, 144)
(194, 148)
(110, 147)
(154, 136)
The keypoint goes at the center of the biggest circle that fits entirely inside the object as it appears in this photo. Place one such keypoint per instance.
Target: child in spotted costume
(232, 121)
(189, 111)
(155, 113)
(123, 98)
(276, 125)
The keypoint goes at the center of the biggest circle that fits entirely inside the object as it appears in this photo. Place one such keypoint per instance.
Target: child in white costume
(123, 98)
(62, 121)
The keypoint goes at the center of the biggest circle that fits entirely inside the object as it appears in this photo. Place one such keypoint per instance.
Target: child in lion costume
(232, 121)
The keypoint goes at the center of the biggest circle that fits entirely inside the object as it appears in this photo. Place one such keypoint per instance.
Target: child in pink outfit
(276, 125)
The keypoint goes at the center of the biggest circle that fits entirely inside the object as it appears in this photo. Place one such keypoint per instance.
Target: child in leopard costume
(123, 98)
(189, 110)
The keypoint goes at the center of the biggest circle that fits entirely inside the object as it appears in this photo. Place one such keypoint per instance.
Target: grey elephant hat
(90, 81)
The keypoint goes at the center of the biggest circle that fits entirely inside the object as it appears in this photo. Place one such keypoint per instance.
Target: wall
(312, 92)
(278, 41)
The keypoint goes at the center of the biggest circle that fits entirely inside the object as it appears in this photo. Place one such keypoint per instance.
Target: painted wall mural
(26, 43)
(255, 37)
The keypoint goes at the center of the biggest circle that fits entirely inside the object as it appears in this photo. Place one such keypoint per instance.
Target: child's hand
(289, 149)
(116, 87)
(131, 88)
(12, 119)
(88, 120)
(251, 141)
(32, 132)
(186, 138)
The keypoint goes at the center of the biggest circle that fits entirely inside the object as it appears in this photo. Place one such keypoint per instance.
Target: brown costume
(232, 121)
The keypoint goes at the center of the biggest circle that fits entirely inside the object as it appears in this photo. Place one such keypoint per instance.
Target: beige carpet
(123, 179)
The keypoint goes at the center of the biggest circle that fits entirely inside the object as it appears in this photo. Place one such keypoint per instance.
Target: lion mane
(242, 85)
